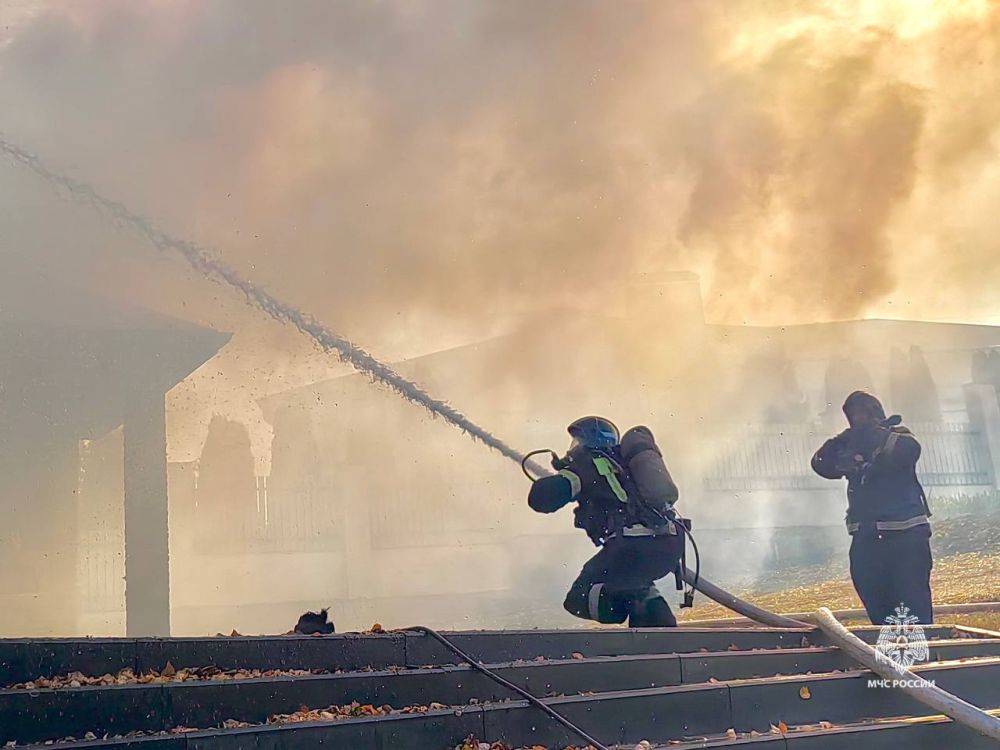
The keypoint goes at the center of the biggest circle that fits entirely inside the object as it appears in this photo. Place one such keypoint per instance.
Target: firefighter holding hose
(624, 501)
(887, 513)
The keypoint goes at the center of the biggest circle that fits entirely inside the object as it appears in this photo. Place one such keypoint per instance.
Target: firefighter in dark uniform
(887, 513)
(624, 496)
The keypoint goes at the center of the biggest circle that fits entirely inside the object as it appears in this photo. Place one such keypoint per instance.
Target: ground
(966, 569)
(957, 579)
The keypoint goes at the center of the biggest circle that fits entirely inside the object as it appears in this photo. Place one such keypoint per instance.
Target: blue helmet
(596, 433)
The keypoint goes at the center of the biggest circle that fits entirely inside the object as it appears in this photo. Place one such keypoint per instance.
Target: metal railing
(776, 457)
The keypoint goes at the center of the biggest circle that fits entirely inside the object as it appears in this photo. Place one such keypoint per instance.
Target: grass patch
(956, 579)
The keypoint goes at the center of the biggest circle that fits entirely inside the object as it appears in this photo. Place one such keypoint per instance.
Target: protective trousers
(893, 568)
(617, 583)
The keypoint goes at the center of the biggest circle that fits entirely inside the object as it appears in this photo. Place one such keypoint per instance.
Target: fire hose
(741, 606)
(917, 688)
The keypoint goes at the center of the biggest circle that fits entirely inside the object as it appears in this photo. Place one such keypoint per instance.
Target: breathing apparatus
(596, 437)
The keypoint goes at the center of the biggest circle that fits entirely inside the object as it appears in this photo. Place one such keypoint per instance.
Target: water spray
(201, 260)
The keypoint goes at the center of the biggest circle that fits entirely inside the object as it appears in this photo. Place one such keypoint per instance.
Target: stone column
(984, 413)
(147, 568)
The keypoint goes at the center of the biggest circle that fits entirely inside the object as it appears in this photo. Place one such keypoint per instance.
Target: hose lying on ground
(507, 684)
(940, 610)
(905, 680)
(745, 608)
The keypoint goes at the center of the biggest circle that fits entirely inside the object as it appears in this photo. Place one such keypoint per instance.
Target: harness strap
(923, 495)
(606, 470)
(640, 530)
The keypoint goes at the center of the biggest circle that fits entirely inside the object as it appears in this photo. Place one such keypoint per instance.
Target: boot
(652, 611)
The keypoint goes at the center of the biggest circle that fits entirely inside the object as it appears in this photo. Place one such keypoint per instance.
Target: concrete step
(22, 659)
(507, 645)
(912, 733)
(920, 734)
(678, 712)
(656, 714)
(50, 713)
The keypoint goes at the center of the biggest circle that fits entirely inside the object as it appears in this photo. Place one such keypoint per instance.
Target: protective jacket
(625, 491)
(883, 492)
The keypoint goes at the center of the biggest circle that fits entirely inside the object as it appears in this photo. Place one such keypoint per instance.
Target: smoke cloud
(472, 158)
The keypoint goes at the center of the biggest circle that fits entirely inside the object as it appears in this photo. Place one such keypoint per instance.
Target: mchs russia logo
(901, 641)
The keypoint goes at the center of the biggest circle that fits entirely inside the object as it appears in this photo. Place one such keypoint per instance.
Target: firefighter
(887, 513)
(624, 501)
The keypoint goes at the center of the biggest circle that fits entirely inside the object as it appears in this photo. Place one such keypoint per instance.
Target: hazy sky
(422, 173)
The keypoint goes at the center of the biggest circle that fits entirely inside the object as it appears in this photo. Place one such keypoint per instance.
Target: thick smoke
(477, 161)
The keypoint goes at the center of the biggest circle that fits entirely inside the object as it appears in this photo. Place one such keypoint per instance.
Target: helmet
(596, 433)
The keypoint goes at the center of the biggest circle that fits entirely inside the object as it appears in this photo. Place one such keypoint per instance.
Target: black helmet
(596, 433)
